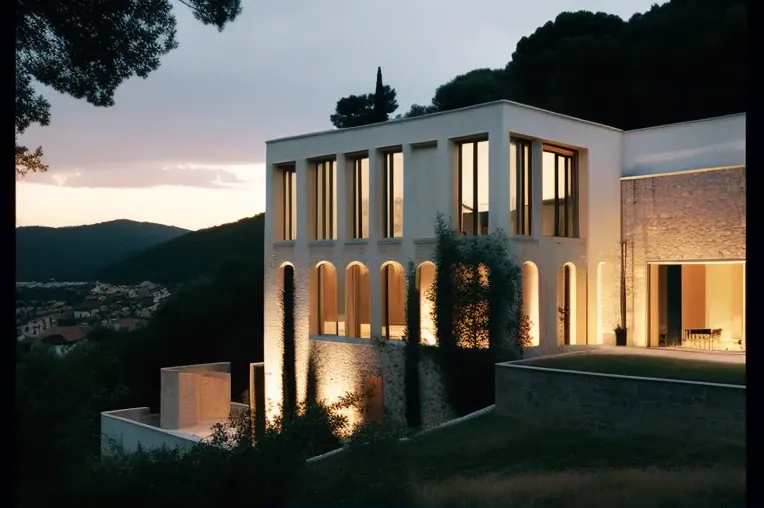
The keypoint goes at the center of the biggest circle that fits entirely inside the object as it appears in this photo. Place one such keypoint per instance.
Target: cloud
(146, 175)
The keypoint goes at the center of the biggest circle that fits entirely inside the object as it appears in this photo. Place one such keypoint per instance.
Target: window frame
(476, 226)
(326, 178)
(388, 229)
(289, 203)
(568, 203)
(523, 186)
(357, 199)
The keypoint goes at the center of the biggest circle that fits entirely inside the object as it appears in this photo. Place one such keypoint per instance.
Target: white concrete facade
(585, 237)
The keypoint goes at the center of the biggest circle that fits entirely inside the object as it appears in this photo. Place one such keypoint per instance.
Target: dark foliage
(628, 74)
(289, 370)
(357, 110)
(81, 251)
(191, 255)
(413, 353)
(476, 297)
(87, 48)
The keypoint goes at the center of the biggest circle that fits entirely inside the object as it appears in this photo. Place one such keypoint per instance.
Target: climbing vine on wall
(288, 335)
(412, 353)
(476, 295)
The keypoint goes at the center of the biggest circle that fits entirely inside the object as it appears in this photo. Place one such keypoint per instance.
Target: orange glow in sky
(187, 207)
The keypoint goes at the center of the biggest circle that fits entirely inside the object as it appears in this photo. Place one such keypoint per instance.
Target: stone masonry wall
(691, 216)
(605, 402)
(342, 365)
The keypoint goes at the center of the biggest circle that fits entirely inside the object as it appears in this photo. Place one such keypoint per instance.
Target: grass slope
(191, 255)
(77, 253)
(497, 461)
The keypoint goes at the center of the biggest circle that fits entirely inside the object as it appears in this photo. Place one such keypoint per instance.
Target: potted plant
(620, 335)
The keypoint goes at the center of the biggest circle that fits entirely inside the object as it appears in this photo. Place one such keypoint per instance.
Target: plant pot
(620, 338)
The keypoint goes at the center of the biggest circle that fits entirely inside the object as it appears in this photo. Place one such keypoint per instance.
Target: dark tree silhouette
(355, 110)
(628, 74)
(87, 48)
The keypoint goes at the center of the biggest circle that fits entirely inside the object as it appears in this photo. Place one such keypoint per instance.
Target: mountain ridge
(77, 253)
(191, 255)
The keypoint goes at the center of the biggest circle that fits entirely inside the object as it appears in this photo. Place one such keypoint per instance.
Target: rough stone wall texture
(689, 216)
(342, 366)
(610, 403)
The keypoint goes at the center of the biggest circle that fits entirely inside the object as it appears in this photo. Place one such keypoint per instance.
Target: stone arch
(324, 318)
(393, 300)
(425, 278)
(357, 301)
(566, 304)
(531, 299)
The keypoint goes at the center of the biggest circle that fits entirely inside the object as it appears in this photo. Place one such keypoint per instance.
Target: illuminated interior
(560, 192)
(393, 226)
(531, 299)
(520, 190)
(360, 204)
(425, 281)
(473, 187)
(357, 301)
(393, 298)
(698, 306)
(324, 316)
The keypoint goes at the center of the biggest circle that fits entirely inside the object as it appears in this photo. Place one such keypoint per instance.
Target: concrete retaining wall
(584, 400)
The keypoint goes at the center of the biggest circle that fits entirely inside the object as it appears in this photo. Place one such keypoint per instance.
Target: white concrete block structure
(595, 214)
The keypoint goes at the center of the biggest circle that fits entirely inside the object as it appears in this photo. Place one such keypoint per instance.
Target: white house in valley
(647, 224)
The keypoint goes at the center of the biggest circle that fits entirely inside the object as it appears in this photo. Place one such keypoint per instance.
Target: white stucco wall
(704, 144)
(429, 150)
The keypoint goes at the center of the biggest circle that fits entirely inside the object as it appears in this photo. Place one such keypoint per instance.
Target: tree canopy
(87, 48)
(355, 110)
(628, 74)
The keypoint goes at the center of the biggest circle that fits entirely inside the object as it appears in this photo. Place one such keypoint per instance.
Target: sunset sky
(186, 146)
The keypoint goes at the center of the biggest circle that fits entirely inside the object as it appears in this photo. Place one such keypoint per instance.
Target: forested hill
(77, 253)
(192, 254)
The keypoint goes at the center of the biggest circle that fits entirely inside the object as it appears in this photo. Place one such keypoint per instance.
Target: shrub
(288, 326)
(476, 298)
(413, 339)
(523, 335)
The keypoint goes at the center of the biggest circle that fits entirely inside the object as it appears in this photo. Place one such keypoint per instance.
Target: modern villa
(646, 225)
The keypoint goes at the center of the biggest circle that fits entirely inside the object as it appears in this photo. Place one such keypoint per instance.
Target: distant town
(63, 313)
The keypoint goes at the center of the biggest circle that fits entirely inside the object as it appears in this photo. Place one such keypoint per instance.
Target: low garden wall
(585, 400)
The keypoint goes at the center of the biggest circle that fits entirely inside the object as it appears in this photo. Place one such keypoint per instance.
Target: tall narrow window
(560, 191)
(326, 201)
(473, 187)
(289, 199)
(520, 182)
(361, 198)
(393, 195)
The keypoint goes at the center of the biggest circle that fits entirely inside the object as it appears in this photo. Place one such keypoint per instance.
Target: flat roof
(487, 105)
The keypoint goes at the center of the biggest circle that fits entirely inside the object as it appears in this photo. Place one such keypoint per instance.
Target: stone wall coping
(513, 365)
(338, 339)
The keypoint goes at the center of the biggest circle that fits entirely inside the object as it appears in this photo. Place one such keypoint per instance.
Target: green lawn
(648, 366)
(497, 461)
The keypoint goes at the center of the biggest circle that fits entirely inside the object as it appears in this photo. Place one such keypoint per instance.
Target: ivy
(476, 295)
(412, 351)
(288, 327)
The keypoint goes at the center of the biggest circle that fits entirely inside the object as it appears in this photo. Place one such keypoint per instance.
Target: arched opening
(600, 302)
(566, 309)
(357, 301)
(531, 299)
(323, 300)
(425, 280)
(393, 286)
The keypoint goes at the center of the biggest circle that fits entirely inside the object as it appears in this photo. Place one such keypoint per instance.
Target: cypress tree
(412, 351)
(288, 327)
(380, 99)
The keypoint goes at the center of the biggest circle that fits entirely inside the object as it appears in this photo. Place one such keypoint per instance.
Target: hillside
(191, 255)
(77, 253)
